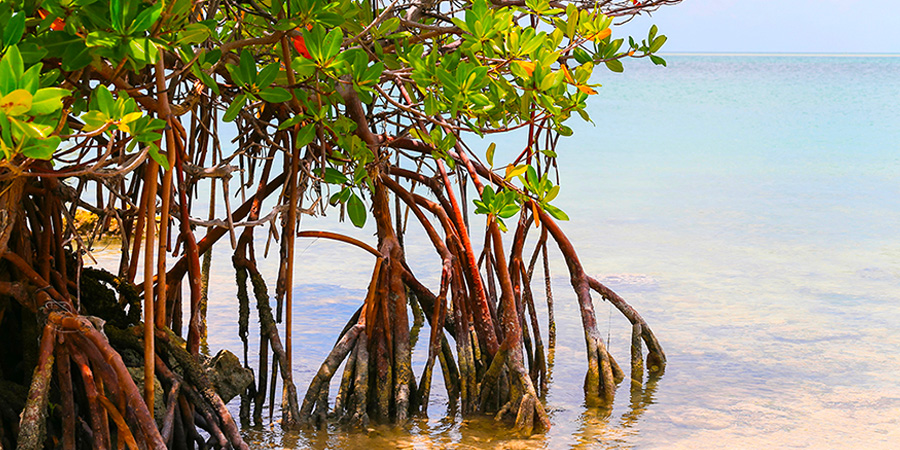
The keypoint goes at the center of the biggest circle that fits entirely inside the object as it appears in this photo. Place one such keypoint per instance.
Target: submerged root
(317, 394)
(531, 416)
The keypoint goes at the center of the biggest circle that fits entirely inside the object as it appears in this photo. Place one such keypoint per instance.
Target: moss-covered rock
(159, 405)
(227, 375)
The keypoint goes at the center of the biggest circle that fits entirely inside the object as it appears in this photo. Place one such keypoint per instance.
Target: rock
(159, 405)
(132, 358)
(227, 375)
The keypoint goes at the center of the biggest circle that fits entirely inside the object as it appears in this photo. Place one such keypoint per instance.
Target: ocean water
(747, 206)
(761, 194)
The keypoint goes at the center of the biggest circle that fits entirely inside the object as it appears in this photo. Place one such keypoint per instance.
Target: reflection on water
(749, 213)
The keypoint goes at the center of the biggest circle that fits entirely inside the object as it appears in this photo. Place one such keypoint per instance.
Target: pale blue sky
(777, 26)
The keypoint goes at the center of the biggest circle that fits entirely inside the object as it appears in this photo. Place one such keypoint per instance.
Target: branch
(341, 238)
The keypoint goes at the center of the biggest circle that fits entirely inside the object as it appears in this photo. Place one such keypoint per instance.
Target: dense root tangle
(487, 308)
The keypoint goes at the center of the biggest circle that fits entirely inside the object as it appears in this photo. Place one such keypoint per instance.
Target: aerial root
(637, 360)
(492, 376)
(656, 358)
(317, 394)
(359, 399)
(617, 372)
(32, 425)
(344, 392)
(244, 269)
(525, 416)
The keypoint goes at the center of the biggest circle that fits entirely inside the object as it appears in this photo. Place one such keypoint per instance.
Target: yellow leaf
(568, 75)
(527, 66)
(131, 117)
(537, 216)
(16, 102)
(514, 171)
(586, 89)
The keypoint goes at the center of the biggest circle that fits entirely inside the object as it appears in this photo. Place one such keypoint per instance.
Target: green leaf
(157, 156)
(306, 135)
(532, 178)
(42, 148)
(551, 194)
(102, 39)
(31, 52)
(267, 75)
(290, 122)
(334, 176)
(275, 95)
(235, 73)
(117, 15)
(490, 153)
(344, 195)
(105, 100)
(212, 57)
(372, 74)
(125, 124)
(356, 210)
(31, 79)
(288, 24)
(509, 210)
(235, 108)
(76, 56)
(147, 18)
(148, 138)
(14, 28)
(11, 68)
(30, 129)
(487, 195)
(615, 65)
(555, 212)
(303, 67)
(657, 44)
(582, 56)
(94, 120)
(657, 60)
(7, 82)
(5, 130)
(47, 100)
(143, 51)
(194, 33)
(331, 46)
(206, 79)
(480, 207)
(247, 67)
(336, 197)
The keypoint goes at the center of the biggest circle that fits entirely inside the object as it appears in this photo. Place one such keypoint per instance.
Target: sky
(777, 26)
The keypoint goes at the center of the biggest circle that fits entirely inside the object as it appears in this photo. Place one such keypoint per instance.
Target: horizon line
(813, 54)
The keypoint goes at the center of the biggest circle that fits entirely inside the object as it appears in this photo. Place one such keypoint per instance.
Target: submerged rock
(227, 375)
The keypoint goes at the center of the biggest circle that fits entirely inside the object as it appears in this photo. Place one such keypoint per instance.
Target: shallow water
(747, 206)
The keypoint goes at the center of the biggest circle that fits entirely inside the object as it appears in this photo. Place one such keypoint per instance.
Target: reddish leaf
(300, 46)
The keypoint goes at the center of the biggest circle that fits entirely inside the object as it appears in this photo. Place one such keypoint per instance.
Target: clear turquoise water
(760, 194)
(748, 206)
